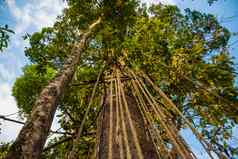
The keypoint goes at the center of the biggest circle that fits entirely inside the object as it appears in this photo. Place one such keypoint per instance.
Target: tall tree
(32, 137)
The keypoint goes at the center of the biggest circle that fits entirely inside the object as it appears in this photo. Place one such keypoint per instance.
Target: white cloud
(6, 74)
(6, 100)
(8, 106)
(35, 14)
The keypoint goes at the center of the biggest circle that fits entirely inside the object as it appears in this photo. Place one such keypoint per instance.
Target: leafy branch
(4, 37)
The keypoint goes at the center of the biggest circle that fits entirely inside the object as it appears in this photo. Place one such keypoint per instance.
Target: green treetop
(185, 54)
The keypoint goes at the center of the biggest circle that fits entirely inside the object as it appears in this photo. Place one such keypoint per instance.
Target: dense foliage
(30, 85)
(186, 54)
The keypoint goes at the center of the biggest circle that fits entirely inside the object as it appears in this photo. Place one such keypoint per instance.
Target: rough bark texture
(148, 150)
(32, 137)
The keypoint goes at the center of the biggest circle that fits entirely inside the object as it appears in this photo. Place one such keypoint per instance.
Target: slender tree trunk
(31, 140)
(121, 146)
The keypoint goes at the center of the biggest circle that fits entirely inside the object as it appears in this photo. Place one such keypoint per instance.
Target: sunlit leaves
(4, 147)
(27, 87)
(172, 47)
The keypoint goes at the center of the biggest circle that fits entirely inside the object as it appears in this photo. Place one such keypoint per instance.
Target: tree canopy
(186, 54)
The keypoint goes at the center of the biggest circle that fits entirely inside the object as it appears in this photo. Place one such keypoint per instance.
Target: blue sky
(28, 16)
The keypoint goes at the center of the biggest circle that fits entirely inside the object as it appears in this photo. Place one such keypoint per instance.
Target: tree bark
(32, 137)
(118, 144)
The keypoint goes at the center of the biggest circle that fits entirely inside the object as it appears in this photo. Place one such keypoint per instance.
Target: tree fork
(31, 139)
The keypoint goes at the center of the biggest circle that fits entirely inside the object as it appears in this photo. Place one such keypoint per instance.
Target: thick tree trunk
(30, 141)
(113, 144)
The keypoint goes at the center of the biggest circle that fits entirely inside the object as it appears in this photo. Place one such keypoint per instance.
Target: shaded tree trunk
(117, 146)
(32, 137)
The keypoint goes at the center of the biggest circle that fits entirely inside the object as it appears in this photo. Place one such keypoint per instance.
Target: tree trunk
(31, 140)
(121, 146)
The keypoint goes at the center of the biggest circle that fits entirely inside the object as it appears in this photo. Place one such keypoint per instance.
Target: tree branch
(12, 120)
(22, 123)
(57, 143)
